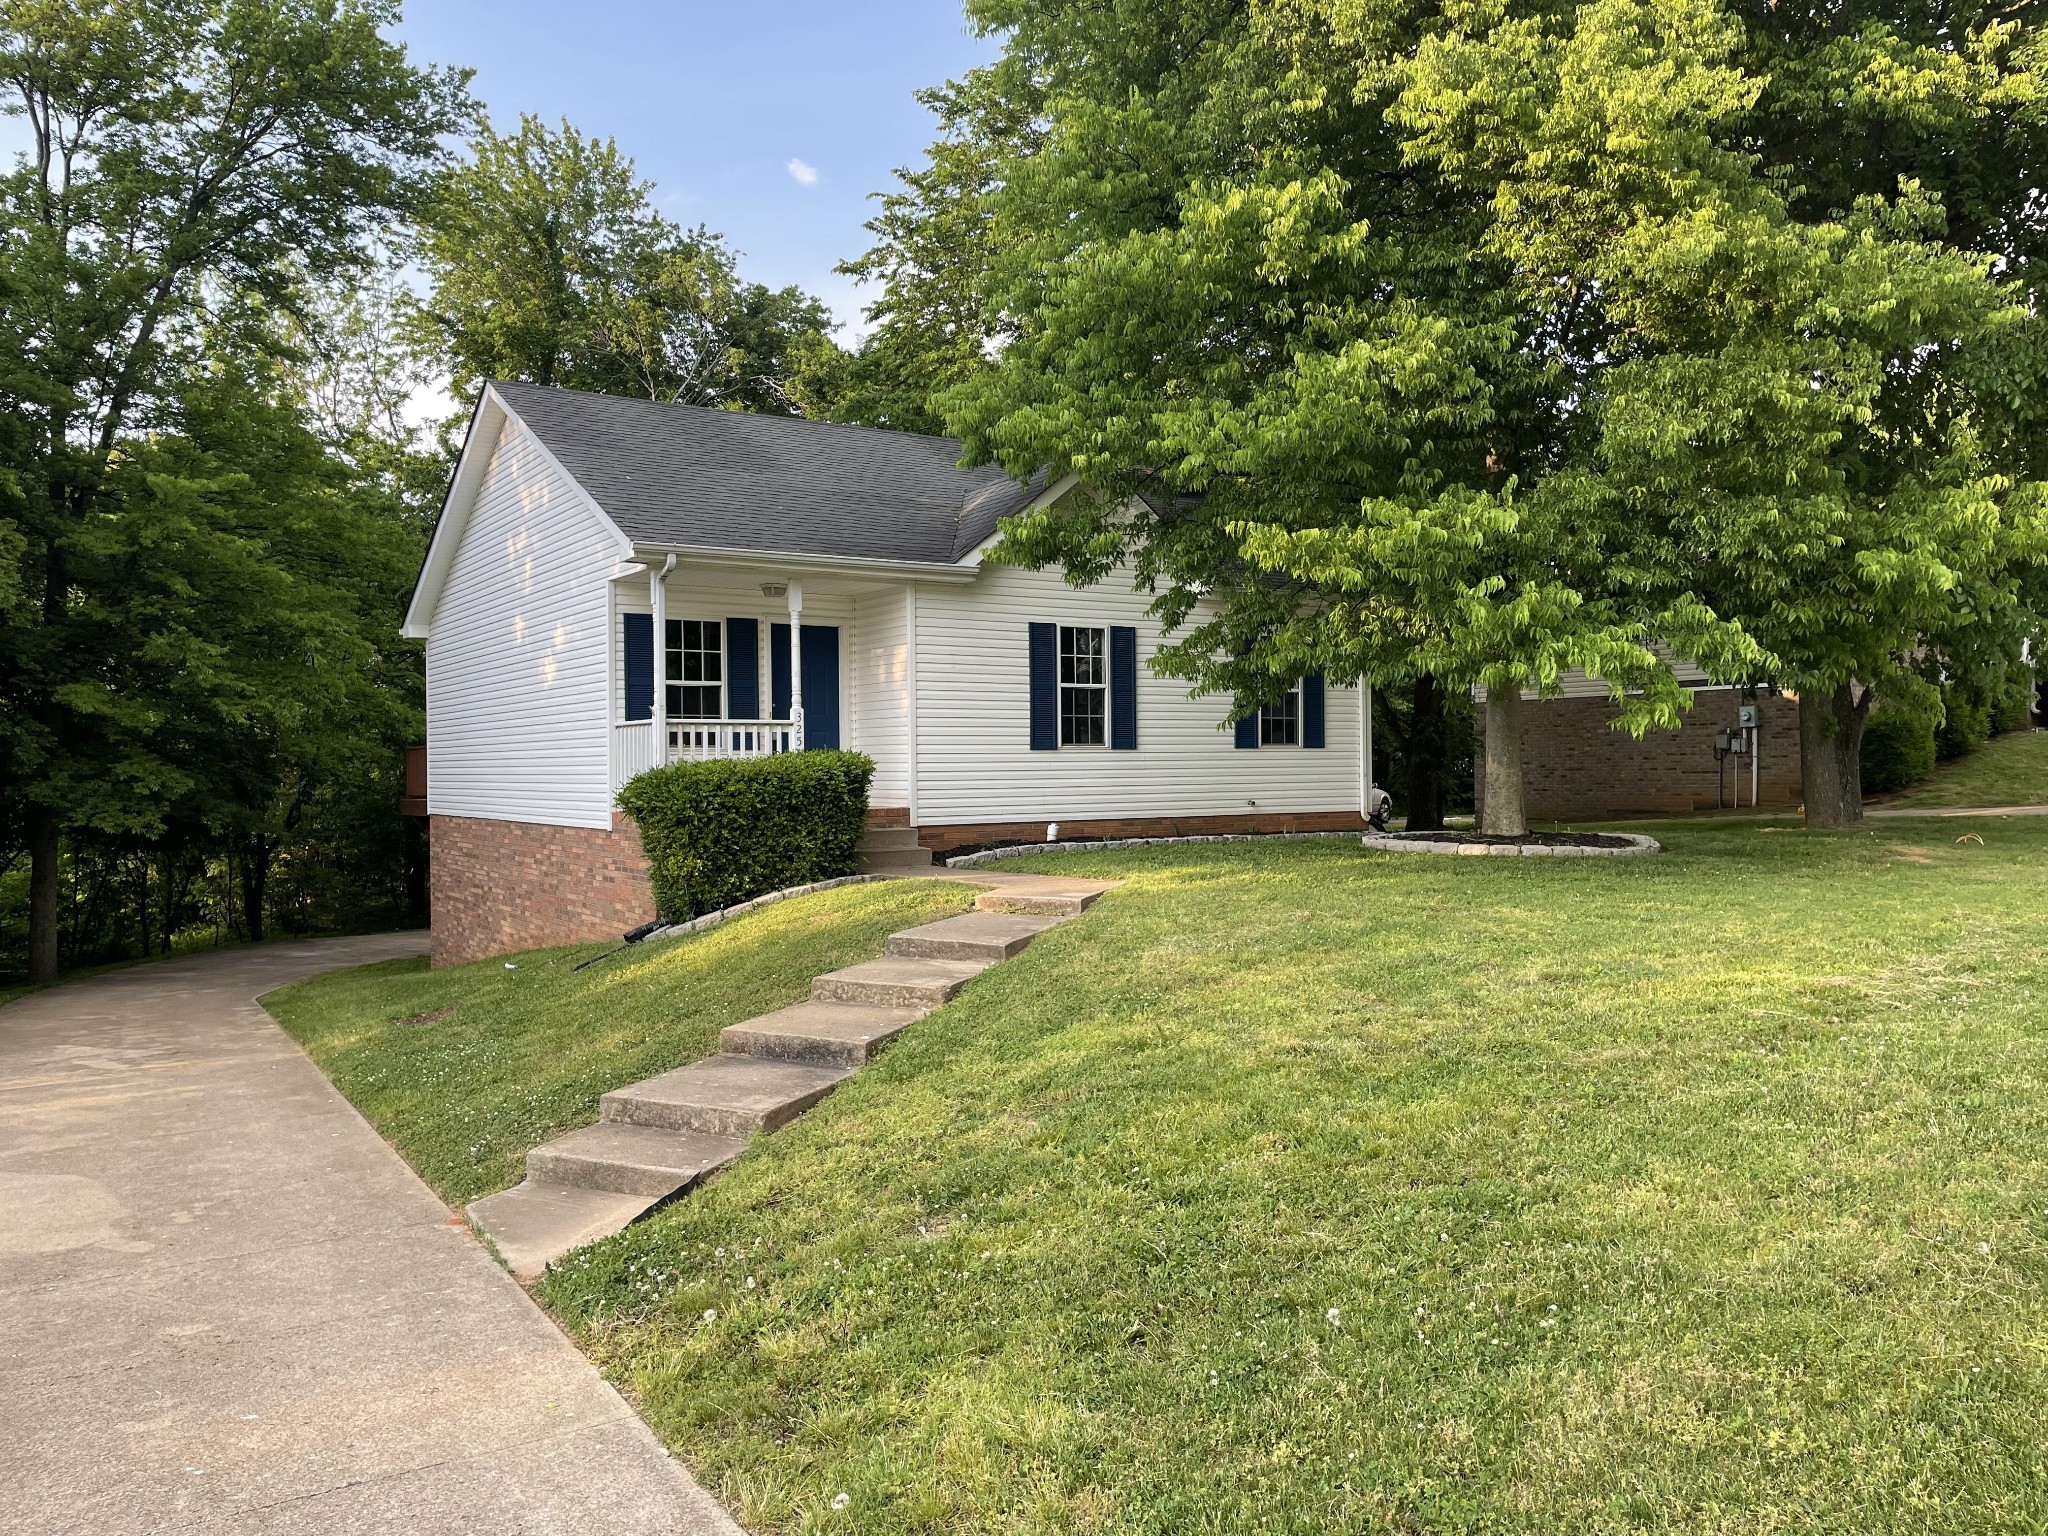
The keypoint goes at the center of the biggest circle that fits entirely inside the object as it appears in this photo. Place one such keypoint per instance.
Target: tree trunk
(1831, 755)
(1427, 744)
(42, 896)
(1501, 813)
(255, 876)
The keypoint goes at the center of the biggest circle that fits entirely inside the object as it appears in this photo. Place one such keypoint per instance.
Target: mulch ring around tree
(1533, 844)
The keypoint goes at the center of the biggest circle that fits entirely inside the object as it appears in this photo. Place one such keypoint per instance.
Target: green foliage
(1485, 343)
(2007, 770)
(1898, 748)
(717, 833)
(192, 602)
(1293, 1190)
(934, 326)
(550, 265)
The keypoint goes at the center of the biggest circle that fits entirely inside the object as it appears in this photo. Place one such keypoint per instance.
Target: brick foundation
(1575, 768)
(942, 839)
(888, 815)
(500, 886)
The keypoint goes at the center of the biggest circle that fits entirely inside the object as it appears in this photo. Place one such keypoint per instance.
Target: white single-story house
(618, 583)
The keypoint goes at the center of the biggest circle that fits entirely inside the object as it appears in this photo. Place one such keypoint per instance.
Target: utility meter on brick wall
(1746, 717)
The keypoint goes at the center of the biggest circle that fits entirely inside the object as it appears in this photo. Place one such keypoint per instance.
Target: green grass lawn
(1301, 1189)
(2007, 770)
(464, 1069)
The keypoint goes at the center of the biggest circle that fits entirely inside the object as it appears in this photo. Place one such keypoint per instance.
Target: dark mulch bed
(1537, 839)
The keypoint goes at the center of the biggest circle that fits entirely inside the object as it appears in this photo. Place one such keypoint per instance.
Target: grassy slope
(464, 1069)
(2007, 770)
(1298, 1189)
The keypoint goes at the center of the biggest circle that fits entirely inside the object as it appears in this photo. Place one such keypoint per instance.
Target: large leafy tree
(188, 164)
(1806, 386)
(549, 263)
(1312, 407)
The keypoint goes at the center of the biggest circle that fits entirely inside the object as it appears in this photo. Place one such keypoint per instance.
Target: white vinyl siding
(517, 657)
(879, 719)
(974, 757)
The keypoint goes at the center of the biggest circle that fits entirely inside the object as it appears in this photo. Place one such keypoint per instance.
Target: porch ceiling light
(775, 589)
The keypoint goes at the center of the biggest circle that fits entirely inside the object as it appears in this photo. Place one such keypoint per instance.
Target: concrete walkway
(227, 1306)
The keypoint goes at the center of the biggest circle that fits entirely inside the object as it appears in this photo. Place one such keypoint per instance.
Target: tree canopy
(548, 263)
(1481, 342)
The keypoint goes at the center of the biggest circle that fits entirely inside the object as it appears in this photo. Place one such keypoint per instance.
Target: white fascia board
(1042, 500)
(779, 563)
(486, 424)
(486, 430)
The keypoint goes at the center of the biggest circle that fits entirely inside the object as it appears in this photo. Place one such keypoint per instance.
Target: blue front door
(820, 647)
(821, 680)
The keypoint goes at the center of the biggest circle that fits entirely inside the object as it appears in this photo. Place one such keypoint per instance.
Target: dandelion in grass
(841, 1500)
(1333, 1317)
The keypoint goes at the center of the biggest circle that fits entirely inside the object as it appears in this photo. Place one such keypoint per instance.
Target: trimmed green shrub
(723, 832)
(1898, 749)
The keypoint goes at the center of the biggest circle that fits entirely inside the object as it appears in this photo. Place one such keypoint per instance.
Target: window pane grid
(695, 668)
(1280, 724)
(1084, 687)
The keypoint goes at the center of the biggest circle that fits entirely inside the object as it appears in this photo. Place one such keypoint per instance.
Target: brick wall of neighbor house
(944, 839)
(500, 886)
(1575, 768)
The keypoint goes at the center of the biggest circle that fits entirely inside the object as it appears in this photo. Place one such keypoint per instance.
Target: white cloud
(805, 173)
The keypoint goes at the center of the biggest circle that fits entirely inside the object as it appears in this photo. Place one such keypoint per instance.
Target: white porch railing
(694, 741)
(638, 745)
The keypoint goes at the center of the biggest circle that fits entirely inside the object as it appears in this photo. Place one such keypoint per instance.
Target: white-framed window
(695, 652)
(1084, 686)
(1280, 722)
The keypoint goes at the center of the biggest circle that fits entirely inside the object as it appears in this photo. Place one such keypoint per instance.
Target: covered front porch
(737, 658)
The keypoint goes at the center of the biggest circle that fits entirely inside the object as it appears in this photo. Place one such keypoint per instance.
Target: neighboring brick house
(1577, 767)
(615, 584)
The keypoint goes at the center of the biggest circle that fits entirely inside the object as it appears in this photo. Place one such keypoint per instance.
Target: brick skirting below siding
(943, 839)
(500, 886)
(1576, 768)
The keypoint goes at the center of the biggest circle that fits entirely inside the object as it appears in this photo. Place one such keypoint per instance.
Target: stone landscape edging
(1024, 850)
(727, 914)
(1394, 842)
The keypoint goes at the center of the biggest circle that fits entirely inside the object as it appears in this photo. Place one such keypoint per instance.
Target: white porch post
(657, 599)
(796, 665)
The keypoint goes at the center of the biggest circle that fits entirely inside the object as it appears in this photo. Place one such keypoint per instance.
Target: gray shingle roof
(689, 475)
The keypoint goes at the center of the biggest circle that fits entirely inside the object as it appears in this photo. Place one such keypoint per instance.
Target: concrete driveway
(227, 1305)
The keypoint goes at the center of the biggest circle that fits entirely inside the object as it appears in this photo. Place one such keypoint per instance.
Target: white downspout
(796, 666)
(1365, 747)
(910, 693)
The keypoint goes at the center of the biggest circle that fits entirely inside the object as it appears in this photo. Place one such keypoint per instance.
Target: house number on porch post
(796, 666)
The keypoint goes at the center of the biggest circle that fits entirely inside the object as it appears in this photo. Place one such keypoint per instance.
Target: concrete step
(821, 1034)
(533, 1224)
(1046, 903)
(893, 982)
(724, 1095)
(890, 861)
(889, 840)
(989, 936)
(631, 1159)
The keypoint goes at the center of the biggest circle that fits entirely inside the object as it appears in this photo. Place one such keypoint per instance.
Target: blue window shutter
(1312, 710)
(1045, 688)
(1248, 730)
(778, 672)
(638, 641)
(743, 669)
(1123, 688)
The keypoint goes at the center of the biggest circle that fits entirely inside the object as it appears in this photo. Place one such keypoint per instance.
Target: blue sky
(715, 101)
